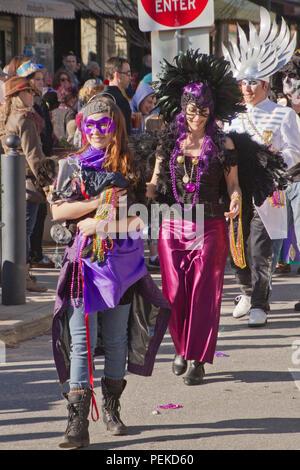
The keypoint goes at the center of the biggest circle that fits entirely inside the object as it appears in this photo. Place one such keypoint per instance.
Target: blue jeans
(293, 194)
(114, 338)
(31, 216)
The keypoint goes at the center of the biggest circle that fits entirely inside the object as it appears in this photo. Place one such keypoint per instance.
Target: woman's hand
(87, 226)
(234, 209)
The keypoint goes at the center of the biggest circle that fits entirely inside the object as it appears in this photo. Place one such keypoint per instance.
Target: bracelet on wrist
(235, 195)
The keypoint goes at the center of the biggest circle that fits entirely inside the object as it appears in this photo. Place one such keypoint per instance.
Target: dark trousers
(36, 238)
(254, 279)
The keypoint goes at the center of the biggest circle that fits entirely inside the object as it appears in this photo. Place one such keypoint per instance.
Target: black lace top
(212, 192)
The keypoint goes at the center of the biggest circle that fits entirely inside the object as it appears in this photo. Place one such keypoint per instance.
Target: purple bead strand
(173, 167)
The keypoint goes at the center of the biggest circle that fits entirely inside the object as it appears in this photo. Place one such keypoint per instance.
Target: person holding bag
(99, 307)
(18, 117)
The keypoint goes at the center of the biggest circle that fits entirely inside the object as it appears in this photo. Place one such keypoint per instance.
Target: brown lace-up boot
(112, 390)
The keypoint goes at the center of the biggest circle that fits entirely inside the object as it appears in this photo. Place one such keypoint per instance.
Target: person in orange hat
(18, 117)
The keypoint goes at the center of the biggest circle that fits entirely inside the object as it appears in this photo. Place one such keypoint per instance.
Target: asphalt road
(250, 398)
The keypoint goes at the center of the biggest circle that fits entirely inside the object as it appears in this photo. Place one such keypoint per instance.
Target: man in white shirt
(270, 124)
(277, 127)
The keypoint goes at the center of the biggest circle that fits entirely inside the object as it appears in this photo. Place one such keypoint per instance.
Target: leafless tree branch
(124, 13)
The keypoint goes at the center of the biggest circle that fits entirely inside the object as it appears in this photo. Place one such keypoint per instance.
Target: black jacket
(122, 102)
(41, 108)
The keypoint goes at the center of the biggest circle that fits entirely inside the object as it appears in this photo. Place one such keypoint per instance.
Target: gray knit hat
(94, 106)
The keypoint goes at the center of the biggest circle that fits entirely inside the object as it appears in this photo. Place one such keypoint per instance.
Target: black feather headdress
(190, 67)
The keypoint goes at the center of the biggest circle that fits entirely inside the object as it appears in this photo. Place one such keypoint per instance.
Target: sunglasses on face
(203, 111)
(64, 79)
(126, 73)
(104, 125)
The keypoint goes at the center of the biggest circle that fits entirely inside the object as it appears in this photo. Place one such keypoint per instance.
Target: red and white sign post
(175, 25)
(161, 15)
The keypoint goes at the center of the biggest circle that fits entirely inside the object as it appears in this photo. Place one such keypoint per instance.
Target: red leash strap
(88, 342)
(94, 404)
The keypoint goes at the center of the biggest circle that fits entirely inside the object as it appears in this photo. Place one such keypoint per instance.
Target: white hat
(265, 53)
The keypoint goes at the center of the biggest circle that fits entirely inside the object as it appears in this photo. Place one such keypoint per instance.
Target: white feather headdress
(265, 53)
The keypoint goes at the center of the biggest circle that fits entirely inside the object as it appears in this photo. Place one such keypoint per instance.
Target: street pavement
(250, 398)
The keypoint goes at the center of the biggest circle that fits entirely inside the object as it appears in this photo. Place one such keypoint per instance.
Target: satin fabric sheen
(92, 158)
(192, 282)
(105, 283)
(124, 265)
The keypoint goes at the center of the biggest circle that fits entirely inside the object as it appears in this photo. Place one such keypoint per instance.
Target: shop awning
(238, 10)
(113, 8)
(39, 8)
(225, 10)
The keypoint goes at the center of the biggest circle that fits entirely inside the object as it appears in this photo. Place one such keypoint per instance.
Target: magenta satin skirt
(192, 282)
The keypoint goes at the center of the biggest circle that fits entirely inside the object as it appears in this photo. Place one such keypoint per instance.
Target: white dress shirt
(284, 124)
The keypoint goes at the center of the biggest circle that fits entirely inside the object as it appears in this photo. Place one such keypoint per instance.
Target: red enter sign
(174, 13)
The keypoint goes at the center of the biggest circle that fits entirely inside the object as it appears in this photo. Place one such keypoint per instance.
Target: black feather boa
(261, 171)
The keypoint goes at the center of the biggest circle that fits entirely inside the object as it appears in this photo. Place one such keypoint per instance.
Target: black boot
(179, 365)
(195, 373)
(77, 434)
(111, 406)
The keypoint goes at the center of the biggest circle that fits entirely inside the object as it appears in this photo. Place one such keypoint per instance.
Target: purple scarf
(92, 158)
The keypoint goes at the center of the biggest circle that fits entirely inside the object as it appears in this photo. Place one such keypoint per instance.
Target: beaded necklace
(104, 212)
(237, 246)
(198, 162)
(76, 303)
(277, 198)
(266, 136)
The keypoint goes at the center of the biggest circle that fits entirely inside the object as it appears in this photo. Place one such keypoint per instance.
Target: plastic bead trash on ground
(169, 406)
(220, 354)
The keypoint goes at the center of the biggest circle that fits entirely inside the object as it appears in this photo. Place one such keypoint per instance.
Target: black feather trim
(261, 171)
(192, 66)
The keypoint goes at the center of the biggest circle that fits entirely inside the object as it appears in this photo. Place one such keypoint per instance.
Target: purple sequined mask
(104, 125)
(198, 94)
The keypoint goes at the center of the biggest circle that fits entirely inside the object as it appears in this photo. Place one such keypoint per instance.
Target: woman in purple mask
(196, 169)
(102, 271)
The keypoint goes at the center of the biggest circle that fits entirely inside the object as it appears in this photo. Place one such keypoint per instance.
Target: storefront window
(88, 39)
(7, 27)
(114, 38)
(44, 43)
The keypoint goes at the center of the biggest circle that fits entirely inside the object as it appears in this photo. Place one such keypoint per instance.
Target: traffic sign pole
(167, 44)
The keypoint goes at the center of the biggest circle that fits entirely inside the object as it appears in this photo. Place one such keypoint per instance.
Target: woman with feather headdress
(196, 169)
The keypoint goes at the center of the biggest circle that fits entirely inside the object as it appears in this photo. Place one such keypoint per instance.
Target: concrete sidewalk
(22, 322)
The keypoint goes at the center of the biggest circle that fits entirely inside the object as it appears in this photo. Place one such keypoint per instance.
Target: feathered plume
(265, 53)
(192, 66)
